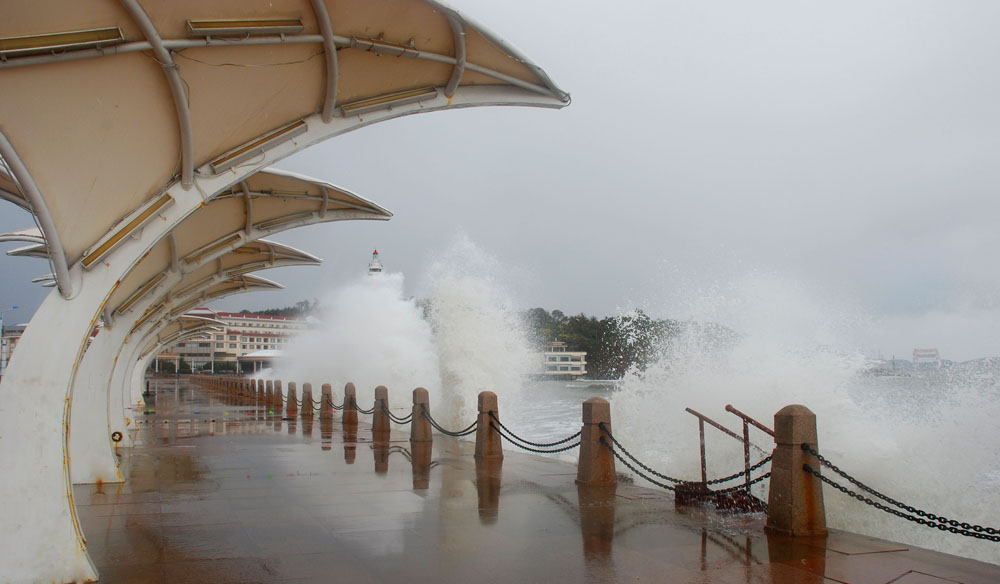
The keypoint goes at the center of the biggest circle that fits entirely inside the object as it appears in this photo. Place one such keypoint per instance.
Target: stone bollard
(325, 398)
(350, 405)
(268, 392)
(487, 439)
(597, 463)
(276, 396)
(292, 399)
(420, 426)
(380, 417)
(795, 501)
(307, 400)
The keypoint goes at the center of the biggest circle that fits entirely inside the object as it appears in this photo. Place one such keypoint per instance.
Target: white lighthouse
(375, 266)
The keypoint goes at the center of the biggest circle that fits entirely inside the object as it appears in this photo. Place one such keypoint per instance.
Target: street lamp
(4, 352)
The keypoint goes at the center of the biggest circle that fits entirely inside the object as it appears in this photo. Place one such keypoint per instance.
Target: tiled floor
(219, 492)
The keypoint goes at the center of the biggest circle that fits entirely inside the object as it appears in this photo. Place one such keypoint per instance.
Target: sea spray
(480, 339)
(930, 440)
(460, 338)
(369, 334)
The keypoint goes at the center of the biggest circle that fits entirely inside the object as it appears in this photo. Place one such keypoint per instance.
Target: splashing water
(371, 335)
(930, 441)
(481, 340)
(464, 339)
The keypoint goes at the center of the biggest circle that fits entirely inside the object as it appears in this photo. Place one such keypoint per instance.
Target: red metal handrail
(702, 418)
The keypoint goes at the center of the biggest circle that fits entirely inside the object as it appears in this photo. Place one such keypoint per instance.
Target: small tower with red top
(375, 266)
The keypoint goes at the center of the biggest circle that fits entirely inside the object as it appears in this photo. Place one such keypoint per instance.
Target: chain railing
(726, 479)
(333, 406)
(399, 420)
(464, 432)
(517, 438)
(901, 510)
(513, 440)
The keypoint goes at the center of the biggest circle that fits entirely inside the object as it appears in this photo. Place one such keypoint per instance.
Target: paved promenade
(223, 493)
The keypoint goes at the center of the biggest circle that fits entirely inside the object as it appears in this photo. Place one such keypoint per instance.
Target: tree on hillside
(301, 308)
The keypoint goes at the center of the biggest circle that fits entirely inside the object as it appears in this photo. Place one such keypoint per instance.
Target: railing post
(380, 417)
(487, 439)
(276, 396)
(350, 405)
(795, 501)
(307, 400)
(597, 462)
(326, 398)
(420, 426)
(268, 392)
(293, 407)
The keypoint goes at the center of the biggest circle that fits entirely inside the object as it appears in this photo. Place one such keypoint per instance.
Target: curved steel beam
(15, 198)
(173, 75)
(330, 51)
(56, 253)
(548, 89)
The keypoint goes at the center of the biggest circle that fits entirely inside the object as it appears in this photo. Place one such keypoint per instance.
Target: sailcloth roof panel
(101, 133)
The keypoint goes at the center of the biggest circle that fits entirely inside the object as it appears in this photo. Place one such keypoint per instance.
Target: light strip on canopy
(283, 220)
(248, 27)
(150, 313)
(212, 247)
(60, 41)
(249, 268)
(257, 147)
(196, 286)
(140, 219)
(185, 307)
(145, 289)
(356, 108)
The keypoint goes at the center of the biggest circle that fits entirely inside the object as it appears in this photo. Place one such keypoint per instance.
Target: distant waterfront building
(558, 362)
(374, 266)
(926, 359)
(244, 334)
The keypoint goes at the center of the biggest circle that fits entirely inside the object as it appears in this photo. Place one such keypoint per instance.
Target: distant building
(244, 334)
(926, 359)
(558, 362)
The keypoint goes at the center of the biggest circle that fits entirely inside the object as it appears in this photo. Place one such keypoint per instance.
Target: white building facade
(559, 362)
(244, 334)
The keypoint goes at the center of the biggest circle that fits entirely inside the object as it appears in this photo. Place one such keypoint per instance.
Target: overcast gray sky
(835, 158)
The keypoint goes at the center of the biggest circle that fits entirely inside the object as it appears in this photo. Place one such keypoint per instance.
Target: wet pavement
(219, 492)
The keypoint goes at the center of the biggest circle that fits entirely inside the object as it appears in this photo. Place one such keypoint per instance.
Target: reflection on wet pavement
(224, 492)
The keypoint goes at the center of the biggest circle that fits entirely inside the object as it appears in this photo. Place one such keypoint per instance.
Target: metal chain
(329, 400)
(529, 449)
(538, 444)
(680, 488)
(361, 411)
(739, 474)
(636, 460)
(898, 513)
(403, 420)
(680, 481)
(908, 508)
(468, 430)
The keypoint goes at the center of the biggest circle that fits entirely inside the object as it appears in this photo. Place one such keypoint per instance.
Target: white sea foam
(930, 441)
